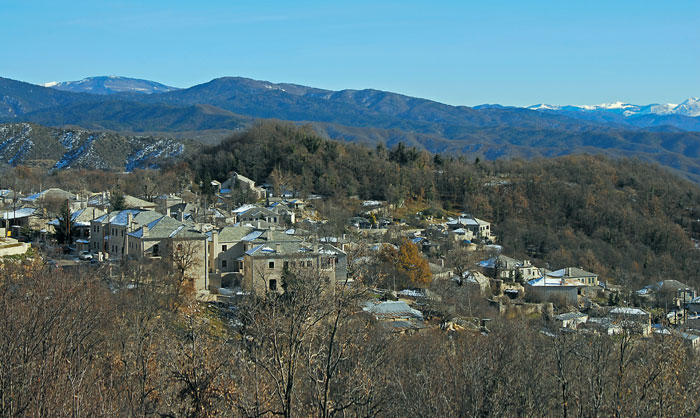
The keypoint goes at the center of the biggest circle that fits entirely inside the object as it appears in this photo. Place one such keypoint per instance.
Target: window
(223, 263)
(224, 248)
(309, 263)
(271, 264)
(272, 284)
(286, 264)
(155, 250)
(325, 263)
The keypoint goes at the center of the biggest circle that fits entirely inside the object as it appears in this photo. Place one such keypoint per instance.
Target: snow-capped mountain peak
(690, 107)
(110, 84)
(613, 105)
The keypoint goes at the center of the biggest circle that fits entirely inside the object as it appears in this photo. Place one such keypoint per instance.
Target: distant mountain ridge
(110, 85)
(690, 107)
(368, 116)
(685, 116)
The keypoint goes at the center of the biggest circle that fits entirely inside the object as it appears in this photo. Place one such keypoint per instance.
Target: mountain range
(210, 110)
(690, 107)
(683, 116)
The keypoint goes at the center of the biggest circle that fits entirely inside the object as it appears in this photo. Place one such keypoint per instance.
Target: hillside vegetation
(73, 344)
(630, 221)
(57, 149)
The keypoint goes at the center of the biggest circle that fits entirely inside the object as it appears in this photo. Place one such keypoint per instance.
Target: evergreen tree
(65, 227)
(117, 200)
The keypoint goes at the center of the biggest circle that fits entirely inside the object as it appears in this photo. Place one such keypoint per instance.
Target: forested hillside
(630, 221)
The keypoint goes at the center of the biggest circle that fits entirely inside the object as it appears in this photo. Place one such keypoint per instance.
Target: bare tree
(185, 256)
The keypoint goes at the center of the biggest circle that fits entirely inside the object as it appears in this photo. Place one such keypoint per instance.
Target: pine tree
(65, 227)
(117, 200)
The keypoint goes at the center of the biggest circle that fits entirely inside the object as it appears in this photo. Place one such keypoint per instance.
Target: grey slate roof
(234, 233)
(167, 227)
(392, 309)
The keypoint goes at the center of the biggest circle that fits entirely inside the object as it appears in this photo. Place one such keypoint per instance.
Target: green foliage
(117, 200)
(65, 228)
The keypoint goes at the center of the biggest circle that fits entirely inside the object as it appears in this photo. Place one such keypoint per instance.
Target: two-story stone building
(265, 265)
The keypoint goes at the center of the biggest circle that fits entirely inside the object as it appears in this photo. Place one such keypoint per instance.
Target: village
(460, 277)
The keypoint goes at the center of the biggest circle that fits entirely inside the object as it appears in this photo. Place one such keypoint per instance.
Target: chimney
(180, 216)
(144, 229)
(278, 248)
(129, 221)
(167, 212)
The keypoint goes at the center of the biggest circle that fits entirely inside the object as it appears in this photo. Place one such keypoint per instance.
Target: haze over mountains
(228, 104)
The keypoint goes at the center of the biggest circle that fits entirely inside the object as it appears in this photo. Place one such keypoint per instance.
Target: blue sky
(457, 52)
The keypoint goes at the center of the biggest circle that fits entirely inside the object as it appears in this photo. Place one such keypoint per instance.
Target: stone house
(478, 227)
(634, 320)
(16, 219)
(182, 243)
(556, 290)
(255, 214)
(475, 280)
(228, 245)
(669, 294)
(571, 319)
(108, 233)
(692, 341)
(237, 180)
(165, 202)
(510, 269)
(575, 273)
(265, 265)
